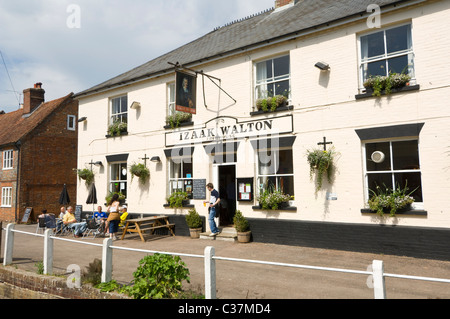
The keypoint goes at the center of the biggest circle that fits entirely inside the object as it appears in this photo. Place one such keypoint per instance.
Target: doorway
(227, 190)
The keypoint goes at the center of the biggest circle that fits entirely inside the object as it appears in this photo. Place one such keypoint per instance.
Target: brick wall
(19, 284)
(48, 157)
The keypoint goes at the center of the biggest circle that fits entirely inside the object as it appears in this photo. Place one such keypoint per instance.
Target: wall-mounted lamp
(156, 159)
(83, 119)
(322, 66)
(135, 105)
(99, 163)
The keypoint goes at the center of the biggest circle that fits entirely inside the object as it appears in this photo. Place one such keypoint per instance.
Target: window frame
(182, 179)
(276, 176)
(274, 79)
(6, 196)
(72, 118)
(113, 116)
(416, 205)
(111, 181)
(386, 56)
(8, 161)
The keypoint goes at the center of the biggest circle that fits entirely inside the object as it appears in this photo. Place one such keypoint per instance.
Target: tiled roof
(247, 33)
(14, 126)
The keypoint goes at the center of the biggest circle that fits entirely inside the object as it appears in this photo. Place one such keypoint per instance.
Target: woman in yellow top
(114, 216)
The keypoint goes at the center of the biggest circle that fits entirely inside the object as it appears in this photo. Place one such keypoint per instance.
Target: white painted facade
(324, 104)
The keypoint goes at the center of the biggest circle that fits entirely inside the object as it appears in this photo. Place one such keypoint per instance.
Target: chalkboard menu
(78, 210)
(199, 189)
(27, 214)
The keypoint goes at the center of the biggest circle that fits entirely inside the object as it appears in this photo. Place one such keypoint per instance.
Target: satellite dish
(378, 157)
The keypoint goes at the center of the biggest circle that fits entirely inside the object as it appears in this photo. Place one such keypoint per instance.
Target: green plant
(110, 286)
(40, 268)
(87, 175)
(387, 83)
(117, 128)
(272, 199)
(321, 163)
(177, 118)
(193, 219)
(108, 197)
(240, 222)
(392, 200)
(271, 103)
(93, 273)
(158, 276)
(140, 171)
(176, 199)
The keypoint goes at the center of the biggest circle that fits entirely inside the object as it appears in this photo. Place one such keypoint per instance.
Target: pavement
(237, 280)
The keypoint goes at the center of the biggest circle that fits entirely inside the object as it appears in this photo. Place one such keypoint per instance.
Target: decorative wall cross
(325, 143)
(145, 159)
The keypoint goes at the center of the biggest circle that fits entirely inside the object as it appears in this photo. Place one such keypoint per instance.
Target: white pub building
(361, 81)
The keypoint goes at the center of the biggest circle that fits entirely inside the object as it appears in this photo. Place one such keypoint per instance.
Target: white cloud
(114, 37)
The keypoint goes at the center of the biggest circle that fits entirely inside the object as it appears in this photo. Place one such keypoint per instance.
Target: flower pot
(244, 237)
(195, 232)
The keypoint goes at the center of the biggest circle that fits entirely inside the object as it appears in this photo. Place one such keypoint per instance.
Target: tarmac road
(250, 281)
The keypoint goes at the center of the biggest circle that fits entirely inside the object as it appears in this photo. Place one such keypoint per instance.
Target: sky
(72, 45)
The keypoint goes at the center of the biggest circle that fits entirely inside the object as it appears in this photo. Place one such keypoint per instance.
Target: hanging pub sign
(186, 93)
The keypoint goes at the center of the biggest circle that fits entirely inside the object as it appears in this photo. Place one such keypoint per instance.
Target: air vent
(378, 157)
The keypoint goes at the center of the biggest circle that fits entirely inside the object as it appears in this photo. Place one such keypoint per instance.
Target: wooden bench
(156, 222)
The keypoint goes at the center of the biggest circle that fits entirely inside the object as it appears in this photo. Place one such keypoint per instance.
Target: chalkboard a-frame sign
(26, 216)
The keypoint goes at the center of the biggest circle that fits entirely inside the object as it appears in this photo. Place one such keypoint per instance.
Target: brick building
(38, 144)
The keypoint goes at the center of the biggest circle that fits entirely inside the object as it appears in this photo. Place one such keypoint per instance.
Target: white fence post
(9, 245)
(210, 273)
(379, 286)
(48, 252)
(107, 256)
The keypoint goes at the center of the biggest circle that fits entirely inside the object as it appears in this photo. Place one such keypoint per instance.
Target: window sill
(121, 134)
(279, 109)
(184, 206)
(289, 208)
(383, 93)
(169, 127)
(411, 212)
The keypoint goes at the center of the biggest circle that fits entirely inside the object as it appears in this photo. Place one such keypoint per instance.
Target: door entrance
(227, 190)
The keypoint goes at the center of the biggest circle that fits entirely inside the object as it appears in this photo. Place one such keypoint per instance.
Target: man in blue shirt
(214, 200)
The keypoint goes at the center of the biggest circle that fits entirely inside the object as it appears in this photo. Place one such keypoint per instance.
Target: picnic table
(155, 222)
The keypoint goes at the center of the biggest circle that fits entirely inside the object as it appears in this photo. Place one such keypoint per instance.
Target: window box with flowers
(272, 104)
(391, 201)
(118, 128)
(178, 119)
(273, 200)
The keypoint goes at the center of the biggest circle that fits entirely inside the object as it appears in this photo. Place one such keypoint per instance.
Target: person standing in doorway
(214, 200)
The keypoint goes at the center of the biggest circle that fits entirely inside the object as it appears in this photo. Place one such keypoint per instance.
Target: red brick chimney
(32, 98)
(282, 3)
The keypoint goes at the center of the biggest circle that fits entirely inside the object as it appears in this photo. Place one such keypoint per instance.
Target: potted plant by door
(194, 223)
(242, 227)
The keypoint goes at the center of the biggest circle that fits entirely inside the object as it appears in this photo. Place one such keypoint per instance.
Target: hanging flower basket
(321, 163)
(140, 171)
(87, 175)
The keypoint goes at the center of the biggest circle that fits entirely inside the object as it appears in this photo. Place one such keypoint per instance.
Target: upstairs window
(71, 122)
(8, 157)
(119, 112)
(273, 77)
(387, 51)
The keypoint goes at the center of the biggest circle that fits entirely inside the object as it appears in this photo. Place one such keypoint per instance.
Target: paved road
(251, 281)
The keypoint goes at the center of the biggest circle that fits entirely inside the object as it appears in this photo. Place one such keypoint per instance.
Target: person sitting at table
(71, 222)
(114, 216)
(100, 218)
(124, 216)
(59, 222)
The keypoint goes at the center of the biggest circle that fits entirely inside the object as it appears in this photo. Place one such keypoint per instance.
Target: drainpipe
(18, 144)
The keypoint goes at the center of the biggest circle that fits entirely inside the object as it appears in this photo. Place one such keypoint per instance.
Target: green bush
(158, 277)
(193, 219)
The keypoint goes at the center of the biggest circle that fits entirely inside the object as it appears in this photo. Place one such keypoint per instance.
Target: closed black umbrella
(64, 198)
(92, 198)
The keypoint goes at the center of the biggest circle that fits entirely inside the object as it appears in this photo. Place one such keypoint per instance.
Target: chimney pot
(32, 98)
